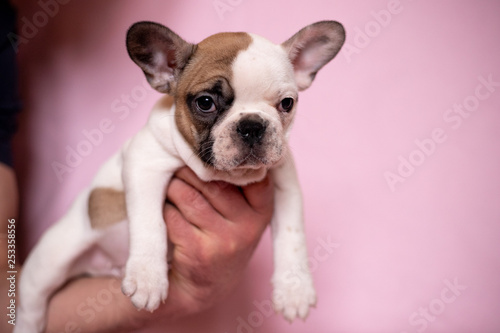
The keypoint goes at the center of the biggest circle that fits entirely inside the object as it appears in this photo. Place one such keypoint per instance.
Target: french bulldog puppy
(228, 106)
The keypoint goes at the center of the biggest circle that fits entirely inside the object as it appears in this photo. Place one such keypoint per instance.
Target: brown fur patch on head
(165, 102)
(106, 207)
(210, 62)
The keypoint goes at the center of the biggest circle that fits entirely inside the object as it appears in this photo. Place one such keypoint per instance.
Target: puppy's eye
(205, 104)
(286, 104)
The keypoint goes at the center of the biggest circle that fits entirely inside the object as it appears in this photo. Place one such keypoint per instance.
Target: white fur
(263, 76)
(143, 168)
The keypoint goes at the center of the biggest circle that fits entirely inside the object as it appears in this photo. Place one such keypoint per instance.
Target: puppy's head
(235, 93)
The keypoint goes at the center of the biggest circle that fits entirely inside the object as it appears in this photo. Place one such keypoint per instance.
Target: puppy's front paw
(293, 294)
(146, 282)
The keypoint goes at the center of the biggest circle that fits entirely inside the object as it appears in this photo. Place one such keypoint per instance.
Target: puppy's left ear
(313, 47)
(159, 52)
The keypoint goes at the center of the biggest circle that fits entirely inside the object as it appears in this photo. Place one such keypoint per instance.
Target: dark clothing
(9, 94)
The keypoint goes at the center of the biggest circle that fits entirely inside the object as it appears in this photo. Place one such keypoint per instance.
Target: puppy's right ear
(159, 52)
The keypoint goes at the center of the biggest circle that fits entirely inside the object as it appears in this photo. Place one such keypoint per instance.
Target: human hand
(214, 228)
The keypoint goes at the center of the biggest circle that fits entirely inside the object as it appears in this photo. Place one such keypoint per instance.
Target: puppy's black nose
(251, 130)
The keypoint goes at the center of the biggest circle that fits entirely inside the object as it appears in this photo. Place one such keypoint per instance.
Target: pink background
(393, 252)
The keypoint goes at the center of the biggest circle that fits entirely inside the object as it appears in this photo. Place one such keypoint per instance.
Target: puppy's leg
(49, 265)
(293, 292)
(145, 280)
(146, 173)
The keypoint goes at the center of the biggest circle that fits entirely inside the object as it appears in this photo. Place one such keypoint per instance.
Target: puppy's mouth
(252, 161)
(250, 158)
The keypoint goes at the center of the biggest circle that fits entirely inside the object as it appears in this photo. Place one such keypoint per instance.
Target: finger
(260, 196)
(179, 229)
(224, 197)
(191, 204)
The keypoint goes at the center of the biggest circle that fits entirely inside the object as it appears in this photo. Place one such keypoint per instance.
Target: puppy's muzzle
(251, 130)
